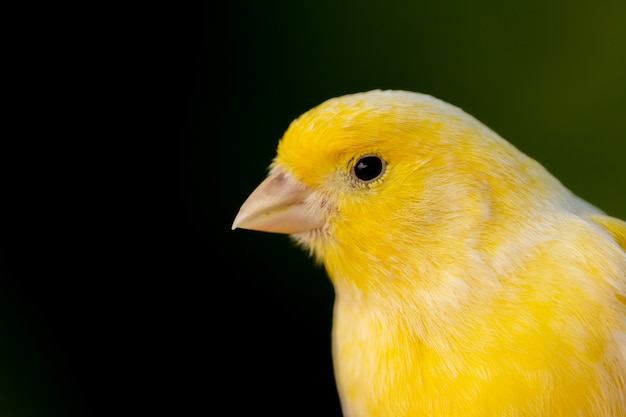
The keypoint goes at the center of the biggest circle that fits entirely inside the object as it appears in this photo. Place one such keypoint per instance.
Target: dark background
(134, 134)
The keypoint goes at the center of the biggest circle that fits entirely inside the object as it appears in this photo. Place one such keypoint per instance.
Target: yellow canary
(468, 280)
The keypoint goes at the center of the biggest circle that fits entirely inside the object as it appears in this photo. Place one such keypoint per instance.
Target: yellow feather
(469, 281)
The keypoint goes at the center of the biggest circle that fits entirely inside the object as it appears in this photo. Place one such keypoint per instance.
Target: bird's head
(380, 169)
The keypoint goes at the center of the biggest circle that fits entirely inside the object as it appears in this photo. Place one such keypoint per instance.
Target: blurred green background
(546, 75)
(124, 291)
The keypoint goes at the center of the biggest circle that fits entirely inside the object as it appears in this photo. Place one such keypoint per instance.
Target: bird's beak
(281, 204)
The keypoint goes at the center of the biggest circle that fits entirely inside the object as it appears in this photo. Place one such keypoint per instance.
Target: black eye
(369, 168)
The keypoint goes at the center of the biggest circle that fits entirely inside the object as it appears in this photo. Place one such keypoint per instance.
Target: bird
(468, 280)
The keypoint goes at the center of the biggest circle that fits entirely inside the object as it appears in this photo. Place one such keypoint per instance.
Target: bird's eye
(369, 168)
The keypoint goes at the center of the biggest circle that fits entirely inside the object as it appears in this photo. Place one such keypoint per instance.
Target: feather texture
(469, 281)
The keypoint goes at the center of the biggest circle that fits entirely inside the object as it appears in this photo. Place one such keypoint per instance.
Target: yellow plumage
(468, 280)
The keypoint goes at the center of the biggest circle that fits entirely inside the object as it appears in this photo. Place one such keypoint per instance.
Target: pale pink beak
(280, 204)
